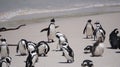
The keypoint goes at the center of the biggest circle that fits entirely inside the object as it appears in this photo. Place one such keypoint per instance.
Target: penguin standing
(87, 63)
(51, 31)
(114, 39)
(89, 29)
(62, 38)
(98, 48)
(31, 59)
(5, 62)
(99, 32)
(22, 47)
(68, 52)
(43, 48)
(4, 50)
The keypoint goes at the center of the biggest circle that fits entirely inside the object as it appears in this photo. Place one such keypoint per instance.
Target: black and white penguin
(5, 62)
(88, 49)
(89, 29)
(31, 46)
(31, 59)
(98, 48)
(114, 39)
(68, 52)
(87, 63)
(51, 31)
(43, 48)
(99, 32)
(62, 38)
(22, 47)
(4, 50)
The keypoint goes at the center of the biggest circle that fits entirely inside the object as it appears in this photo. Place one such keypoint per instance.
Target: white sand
(72, 27)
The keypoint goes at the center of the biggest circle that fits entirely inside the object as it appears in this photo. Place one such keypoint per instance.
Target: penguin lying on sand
(88, 49)
(51, 31)
(87, 63)
(5, 62)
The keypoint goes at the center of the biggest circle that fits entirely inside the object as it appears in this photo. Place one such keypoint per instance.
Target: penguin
(68, 52)
(5, 62)
(31, 46)
(114, 39)
(87, 63)
(31, 59)
(89, 29)
(43, 48)
(4, 49)
(98, 48)
(88, 49)
(51, 30)
(22, 47)
(62, 38)
(99, 32)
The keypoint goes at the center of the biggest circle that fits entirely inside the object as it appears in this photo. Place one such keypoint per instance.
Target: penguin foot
(51, 41)
(69, 61)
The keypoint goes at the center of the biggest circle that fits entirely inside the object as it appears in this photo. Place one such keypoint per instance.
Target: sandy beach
(72, 27)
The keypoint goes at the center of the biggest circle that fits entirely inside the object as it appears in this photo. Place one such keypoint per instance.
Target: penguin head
(65, 44)
(89, 20)
(52, 20)
(88, 48)
(8, 60)
(87, 63)
(3, 40)
(58, 34)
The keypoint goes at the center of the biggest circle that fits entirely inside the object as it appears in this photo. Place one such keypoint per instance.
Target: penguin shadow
(21, 55)
(96, 56)
(87, 38)
(86, 52)
(42, 55)
(110, 48)
(64, 63)
(117, 52)
(56, 50)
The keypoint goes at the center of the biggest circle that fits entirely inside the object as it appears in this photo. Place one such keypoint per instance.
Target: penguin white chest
(89, 30)
(41, 49)
(52, 32)
(31, 48)
(67, 54)
(4, 51)
(99, 49)
(22, 48)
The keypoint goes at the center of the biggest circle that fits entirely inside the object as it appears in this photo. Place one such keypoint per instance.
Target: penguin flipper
(84, 29)
(92, 27)
(8, 51)
(56, 26)
(45, 29)
(0, 49)
(17, 48)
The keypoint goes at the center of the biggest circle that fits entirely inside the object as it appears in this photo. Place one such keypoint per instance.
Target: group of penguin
(97, 49)
(33, 50)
